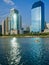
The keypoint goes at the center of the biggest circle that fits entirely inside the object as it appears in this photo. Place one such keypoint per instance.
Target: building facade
(37, 17)
(14, 21)
(0, 29)
(3, 27)
(12, 24)
(6, 26)
(20, 24)
(46, 27)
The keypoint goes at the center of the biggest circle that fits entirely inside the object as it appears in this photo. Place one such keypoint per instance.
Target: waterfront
(24, 51)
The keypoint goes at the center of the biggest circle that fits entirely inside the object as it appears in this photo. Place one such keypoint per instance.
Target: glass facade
(14, 20)
(37, 17)
(0, 29)
(9, 25)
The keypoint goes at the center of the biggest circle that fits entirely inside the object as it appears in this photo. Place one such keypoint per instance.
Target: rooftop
(13, 9)
(37, 4)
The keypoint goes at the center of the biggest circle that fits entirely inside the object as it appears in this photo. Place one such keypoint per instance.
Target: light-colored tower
(3, 30)
(14, 21)
(6, 25)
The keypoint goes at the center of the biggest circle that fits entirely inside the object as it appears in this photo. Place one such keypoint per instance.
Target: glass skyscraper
(14, 22)
(14, 19)
(37, 17)
(0, 29)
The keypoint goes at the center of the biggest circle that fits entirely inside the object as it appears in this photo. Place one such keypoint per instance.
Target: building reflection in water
(36, 51)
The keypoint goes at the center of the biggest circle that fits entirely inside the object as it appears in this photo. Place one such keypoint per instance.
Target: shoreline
(25, 36)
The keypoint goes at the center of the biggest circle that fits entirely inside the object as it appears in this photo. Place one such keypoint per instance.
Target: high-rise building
(37, 17)
(20, 24)
(3, 27)
(6, 26)
(0, 29)
(14, 21)
(9, 25)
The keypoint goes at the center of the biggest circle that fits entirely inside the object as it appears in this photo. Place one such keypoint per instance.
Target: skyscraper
(0, 29)
(20, 24)
(14, 21)
(37, 17)
(5, 27)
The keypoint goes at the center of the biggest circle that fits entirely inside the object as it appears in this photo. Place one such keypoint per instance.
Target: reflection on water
(15, 52)
(24, 51)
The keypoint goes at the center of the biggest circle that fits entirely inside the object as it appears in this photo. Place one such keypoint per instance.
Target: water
(24, 51)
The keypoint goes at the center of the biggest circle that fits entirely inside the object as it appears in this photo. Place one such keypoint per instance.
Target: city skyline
(24, 7)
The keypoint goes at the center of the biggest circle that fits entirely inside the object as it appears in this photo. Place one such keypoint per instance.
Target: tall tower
(14, 21)
(37, 17)
(5, 27)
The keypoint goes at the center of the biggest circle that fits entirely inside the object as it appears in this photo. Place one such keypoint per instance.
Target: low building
(46, 30)
(46, 27)
(26, 30)
(13, 32)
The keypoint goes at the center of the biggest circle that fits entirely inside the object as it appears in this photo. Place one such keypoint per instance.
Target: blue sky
(24, 7)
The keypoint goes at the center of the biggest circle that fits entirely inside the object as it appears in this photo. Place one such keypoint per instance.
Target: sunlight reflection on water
(14, 53)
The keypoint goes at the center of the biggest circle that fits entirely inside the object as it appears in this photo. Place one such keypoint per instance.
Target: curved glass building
(14, 21)
(37, 17)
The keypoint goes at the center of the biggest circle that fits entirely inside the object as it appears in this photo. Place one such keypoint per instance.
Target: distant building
(37, 17)
(20, 22)
(0, 29)
(46, 27)
(20, 25)
(3, 27)
(9, 25)
(6, 26)
(15, 21)
(26, 30)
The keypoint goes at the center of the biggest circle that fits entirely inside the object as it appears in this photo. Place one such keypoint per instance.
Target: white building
(47, 27)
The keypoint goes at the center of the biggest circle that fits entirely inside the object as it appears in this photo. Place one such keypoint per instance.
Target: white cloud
(9, 2)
